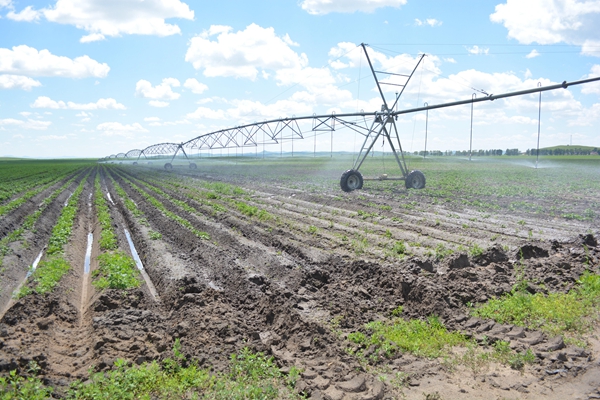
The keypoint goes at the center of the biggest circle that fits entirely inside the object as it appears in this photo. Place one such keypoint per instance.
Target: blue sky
(96, 77)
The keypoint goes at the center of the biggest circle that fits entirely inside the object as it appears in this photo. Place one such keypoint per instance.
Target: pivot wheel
(193, 166)
(351, 180)
(415, 180)
(168, 166)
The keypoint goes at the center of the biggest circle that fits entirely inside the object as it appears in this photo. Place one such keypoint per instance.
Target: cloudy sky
(98, 77)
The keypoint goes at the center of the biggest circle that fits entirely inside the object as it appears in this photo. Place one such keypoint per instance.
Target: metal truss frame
(371, 125)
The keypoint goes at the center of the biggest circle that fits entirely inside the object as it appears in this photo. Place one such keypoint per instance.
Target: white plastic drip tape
(68, 198)
(35, 264)
(140, 266)
(88, 254)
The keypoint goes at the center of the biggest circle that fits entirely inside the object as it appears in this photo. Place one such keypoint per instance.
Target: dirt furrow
(16, 263)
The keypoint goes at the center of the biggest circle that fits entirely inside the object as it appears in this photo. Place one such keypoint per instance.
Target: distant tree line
(493, 152)
(564, 152)
(512, 152)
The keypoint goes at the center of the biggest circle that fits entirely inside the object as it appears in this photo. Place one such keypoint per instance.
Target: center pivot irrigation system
(276, 131)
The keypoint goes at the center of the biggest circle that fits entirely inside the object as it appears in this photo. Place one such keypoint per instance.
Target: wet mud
(294, 285)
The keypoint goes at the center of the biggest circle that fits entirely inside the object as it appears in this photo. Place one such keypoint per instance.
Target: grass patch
(431, 339)
(116, 271)
(251, 376)
(572, 313)
(428, 338)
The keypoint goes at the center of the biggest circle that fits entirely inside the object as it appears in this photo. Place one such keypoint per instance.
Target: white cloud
(25, 60)
(552, 21)
(92, 37)
(52, 137)
(246, 111)
(533, 54)
(209, 113)
(241, 54)
(321, 7)
(18, 82)
(478, 50)
(195, 86)
(29, 124)
(429, 22)
(119, 129)
(101, 104)
(594, 87)
(28, 14)
(168, 123)
(162, 91)
(151, 119)
(159, 104)
(107, 18)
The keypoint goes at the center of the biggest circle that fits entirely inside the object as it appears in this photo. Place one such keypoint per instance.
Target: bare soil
(294, 285)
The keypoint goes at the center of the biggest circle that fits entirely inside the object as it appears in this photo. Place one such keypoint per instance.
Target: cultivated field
(379, 293)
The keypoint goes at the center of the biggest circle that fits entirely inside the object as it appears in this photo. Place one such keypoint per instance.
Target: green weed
(155, 235)
(423, 338)
(250, 376)
(17, 387)
(556, 313)
(475, 250)
(399, 248)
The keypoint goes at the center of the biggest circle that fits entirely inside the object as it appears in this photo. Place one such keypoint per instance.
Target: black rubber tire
(193, 166)
(351, 180)
(168, 166)
(415, 180)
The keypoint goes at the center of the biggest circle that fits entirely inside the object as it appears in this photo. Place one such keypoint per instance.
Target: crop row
(358, 232)
(50, 271)
(129, 204)
(223, 197)
(10, 189)
(169, 214)
(16, 203)
(116, 269)
(29, 186)
(208, 198)
(30, 220)
(16, 179)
